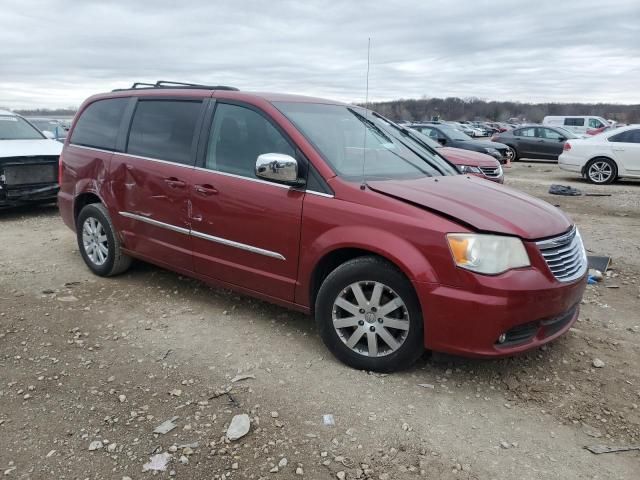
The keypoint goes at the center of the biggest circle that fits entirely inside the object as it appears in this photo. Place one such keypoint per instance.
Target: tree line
(454, 108)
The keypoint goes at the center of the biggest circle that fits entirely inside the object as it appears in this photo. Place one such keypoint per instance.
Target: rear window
(164, 129)
(99, 123)
(574, 122)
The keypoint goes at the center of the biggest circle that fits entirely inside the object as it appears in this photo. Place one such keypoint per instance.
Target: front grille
(491, 171)
(565, 256)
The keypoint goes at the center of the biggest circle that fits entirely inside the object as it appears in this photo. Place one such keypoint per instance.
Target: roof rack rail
(170, 84)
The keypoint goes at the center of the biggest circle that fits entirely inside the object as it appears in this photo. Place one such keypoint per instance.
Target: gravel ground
(89, 367)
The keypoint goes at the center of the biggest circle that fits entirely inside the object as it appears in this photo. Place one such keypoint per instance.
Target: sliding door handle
(206, 189)
(174, 182)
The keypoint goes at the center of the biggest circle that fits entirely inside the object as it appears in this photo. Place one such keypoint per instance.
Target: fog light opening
(502, 338)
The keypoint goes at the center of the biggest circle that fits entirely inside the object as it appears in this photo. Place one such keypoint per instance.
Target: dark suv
(323, 207)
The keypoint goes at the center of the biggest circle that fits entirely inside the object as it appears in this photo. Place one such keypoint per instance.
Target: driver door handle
(205, 189)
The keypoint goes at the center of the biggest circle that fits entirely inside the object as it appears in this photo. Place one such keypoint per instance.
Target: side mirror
(277, 167)
(442, 141)
(48, 134)
(561, 139)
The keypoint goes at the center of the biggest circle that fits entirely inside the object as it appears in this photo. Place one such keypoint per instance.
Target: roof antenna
(366, 106)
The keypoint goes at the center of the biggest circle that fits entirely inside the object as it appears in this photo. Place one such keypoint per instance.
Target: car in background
(535, 141)
(28, 163)
(448, 136)
(464, 128)
(604, 158)
(578, 124)
(468, 162)
(50, 127)
(596, 131)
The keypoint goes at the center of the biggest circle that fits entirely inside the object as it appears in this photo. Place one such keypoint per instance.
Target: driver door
(245, 230)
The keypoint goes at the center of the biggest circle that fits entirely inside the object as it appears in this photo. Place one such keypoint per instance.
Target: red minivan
(323, 207)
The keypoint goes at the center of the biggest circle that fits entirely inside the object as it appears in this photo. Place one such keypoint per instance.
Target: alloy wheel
(509, 154)
(600, 171)
(370, 318)
(95, 241)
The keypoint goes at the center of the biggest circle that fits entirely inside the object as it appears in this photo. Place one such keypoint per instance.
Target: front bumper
(24, 195)
(525, 305)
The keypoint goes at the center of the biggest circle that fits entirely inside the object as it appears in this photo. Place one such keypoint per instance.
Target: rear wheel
(98, 243)
(369, 316)
(601, 171)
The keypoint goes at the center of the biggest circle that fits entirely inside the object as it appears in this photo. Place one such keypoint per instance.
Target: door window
(164, 130)
(238, 136)
(550, 134)
(99, 123)
(595, 123)
(526, 132)
(630, 136)
(574, 122)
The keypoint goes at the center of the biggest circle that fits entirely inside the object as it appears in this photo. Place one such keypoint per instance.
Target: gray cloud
(54, 54)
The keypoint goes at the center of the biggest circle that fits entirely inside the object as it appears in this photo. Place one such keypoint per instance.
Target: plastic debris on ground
(328, 420)
(157, 463)
(166, 426)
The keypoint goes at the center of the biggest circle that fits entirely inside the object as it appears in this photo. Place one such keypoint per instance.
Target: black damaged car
(451, 137)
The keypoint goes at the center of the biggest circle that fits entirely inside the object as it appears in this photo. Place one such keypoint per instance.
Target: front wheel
(512, 154)
(369, 316)
(601, 171)
(98, 242)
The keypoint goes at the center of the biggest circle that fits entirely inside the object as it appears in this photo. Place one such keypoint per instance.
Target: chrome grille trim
(565, 256)
(490, 171)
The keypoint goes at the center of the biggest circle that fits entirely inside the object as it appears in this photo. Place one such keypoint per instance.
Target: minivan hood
(485, 206)
(29, 148)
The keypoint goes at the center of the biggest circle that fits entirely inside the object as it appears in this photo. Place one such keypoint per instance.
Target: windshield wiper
(407, 132)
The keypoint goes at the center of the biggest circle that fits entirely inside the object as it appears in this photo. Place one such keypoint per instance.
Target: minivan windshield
(13, 127)
(356, 143)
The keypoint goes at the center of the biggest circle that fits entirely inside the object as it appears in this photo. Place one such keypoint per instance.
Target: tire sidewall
(514, 157)
(96, 212)
(385, 273)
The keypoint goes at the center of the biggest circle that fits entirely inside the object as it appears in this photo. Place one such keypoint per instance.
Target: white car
(606, 157)
(578, 124)
(28, 163)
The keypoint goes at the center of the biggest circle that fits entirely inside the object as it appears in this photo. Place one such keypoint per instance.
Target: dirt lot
(86, 359)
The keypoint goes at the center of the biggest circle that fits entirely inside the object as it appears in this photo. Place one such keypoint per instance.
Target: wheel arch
(397, 251)
(82, 200)
(596, 157)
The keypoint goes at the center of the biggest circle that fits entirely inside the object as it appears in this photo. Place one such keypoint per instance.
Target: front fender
(392, 247)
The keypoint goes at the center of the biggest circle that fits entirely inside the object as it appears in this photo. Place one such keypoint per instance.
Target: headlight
(488, 254)
(493, 152)
(468, 169)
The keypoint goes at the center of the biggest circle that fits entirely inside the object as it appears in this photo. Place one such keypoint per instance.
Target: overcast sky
(54, 53)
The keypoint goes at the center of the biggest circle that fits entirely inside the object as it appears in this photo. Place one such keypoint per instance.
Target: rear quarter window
(99, 123)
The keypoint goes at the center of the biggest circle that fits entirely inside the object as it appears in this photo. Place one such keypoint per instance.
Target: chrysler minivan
(323, 207)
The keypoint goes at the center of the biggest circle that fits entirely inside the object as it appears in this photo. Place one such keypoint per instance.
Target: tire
(601, 171)
(94, 225)
(515, 153)
(370, 275)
